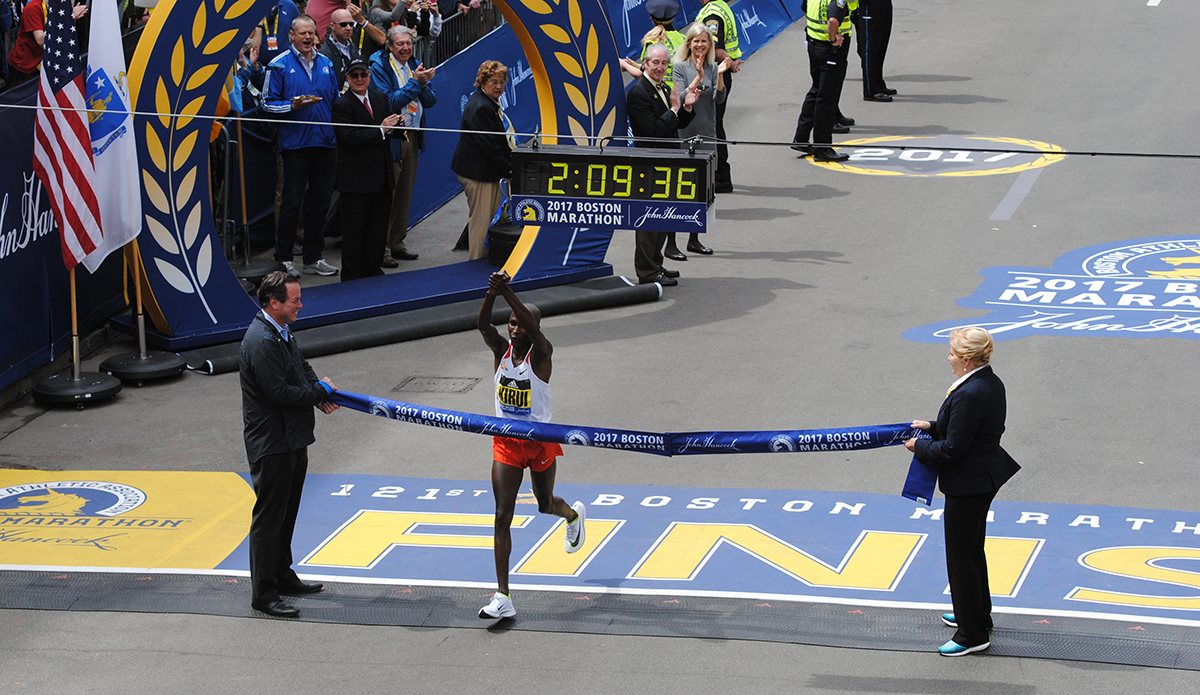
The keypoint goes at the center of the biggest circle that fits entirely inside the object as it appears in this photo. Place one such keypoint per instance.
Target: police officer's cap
(662, 9)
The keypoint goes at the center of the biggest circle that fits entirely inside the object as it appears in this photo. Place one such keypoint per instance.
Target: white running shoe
(320, 268)
(576, 532)
(290, 269)
(501, 606)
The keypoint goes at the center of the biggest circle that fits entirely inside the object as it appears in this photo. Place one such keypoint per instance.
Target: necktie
(367, 103)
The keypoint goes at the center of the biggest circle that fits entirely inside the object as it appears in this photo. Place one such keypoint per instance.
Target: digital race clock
(615, 187)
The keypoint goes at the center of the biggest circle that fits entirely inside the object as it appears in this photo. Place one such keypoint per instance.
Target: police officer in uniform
(721, 23)
(873, 27)
(828, 45)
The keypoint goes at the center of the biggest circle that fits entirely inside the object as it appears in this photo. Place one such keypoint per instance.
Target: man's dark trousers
(827, 66)
(278, 481)
(308, 175)
(873, 31)
(723, 173)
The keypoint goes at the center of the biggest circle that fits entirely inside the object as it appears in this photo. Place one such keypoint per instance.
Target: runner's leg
(506, 482)
(543, 490)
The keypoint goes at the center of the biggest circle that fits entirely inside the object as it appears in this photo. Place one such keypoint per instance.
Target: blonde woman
(695, 70)
(965, 448)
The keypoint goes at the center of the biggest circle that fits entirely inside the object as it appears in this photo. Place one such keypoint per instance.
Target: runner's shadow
(502, 625)
(907, 130)
(812, 192)
(702, 301)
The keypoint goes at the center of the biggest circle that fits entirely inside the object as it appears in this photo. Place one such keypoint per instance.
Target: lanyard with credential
(403, 75)
(509, 133)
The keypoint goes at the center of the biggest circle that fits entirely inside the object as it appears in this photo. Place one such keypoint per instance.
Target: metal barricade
(461, 30)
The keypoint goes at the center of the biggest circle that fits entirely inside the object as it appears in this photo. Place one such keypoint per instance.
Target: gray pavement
(796, 322)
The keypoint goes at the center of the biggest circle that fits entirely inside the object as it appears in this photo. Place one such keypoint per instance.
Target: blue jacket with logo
(384, 79)
(287, 77)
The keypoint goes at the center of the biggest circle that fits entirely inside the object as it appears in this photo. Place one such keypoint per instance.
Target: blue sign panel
(612, 214)
(1139, 288)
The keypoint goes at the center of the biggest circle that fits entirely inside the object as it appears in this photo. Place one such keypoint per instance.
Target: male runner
(522, 365)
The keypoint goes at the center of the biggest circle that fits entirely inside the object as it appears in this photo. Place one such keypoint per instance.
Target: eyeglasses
(496, 83)
(358, 75)
(345, 24)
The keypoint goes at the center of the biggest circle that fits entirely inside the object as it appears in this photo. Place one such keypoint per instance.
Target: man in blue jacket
(300, 88)
(396, 73)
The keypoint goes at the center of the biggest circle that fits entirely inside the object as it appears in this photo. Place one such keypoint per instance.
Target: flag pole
(82, 387)
(146, 365)
(75, 356)
(249, 272)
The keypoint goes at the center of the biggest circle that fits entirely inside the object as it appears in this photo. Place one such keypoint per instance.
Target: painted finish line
(660, 443)
(841, 547)
(795, 545)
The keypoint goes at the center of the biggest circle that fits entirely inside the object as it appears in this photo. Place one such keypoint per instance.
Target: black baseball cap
(359, 63)
(662, 9)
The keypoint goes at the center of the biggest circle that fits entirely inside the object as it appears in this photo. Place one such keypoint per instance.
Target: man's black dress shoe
(841, 129)
(405, 256)
(724, 187)
(301, 588)
(277, 608)
(888, 92)
(806, 149)
(662, 280)
(670, 273)
(831, 157)
(675, 255)
(877, 97)
(845, 120)
(700, 249)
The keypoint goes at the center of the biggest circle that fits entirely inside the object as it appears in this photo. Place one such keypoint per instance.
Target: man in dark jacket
(655, 112)
(364, 172)
(279, 391)
(407, 85)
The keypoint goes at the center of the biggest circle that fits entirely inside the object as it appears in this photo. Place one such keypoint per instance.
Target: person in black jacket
(364, 172)
(655, 112)
(965, 448)
(483, 158)
(279, 390)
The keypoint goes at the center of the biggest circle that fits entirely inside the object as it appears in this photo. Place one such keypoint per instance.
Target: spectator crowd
(348, 83)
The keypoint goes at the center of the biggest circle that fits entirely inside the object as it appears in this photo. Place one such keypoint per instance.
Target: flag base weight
(137, 368)
(88, 388)
(256, 270)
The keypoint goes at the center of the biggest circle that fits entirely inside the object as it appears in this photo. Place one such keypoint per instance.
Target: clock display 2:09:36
(618, 181)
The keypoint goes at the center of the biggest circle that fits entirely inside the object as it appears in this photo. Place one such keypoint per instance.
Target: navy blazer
(649, 117)
(966, 438)
(482, 156)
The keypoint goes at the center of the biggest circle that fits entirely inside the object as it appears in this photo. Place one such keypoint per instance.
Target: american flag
(62, 147)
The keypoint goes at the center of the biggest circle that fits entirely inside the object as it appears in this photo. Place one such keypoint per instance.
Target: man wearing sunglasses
(339, 45)
(364, 171)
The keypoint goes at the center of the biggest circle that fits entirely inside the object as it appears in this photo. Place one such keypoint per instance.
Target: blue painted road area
(808, 546)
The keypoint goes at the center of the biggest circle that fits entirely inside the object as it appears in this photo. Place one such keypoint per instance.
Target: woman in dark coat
(965, 448)
(483, 158)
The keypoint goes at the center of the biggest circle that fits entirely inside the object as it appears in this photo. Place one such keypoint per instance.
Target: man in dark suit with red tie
(655, 112)
(364, 172)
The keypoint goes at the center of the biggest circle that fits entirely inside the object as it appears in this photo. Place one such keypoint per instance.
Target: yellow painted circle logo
(942, 155)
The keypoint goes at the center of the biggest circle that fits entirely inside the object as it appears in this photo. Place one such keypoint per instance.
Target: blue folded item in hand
(921, 481)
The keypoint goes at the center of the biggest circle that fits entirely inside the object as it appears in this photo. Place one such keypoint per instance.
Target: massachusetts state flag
(113, 147)
(62, 147)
